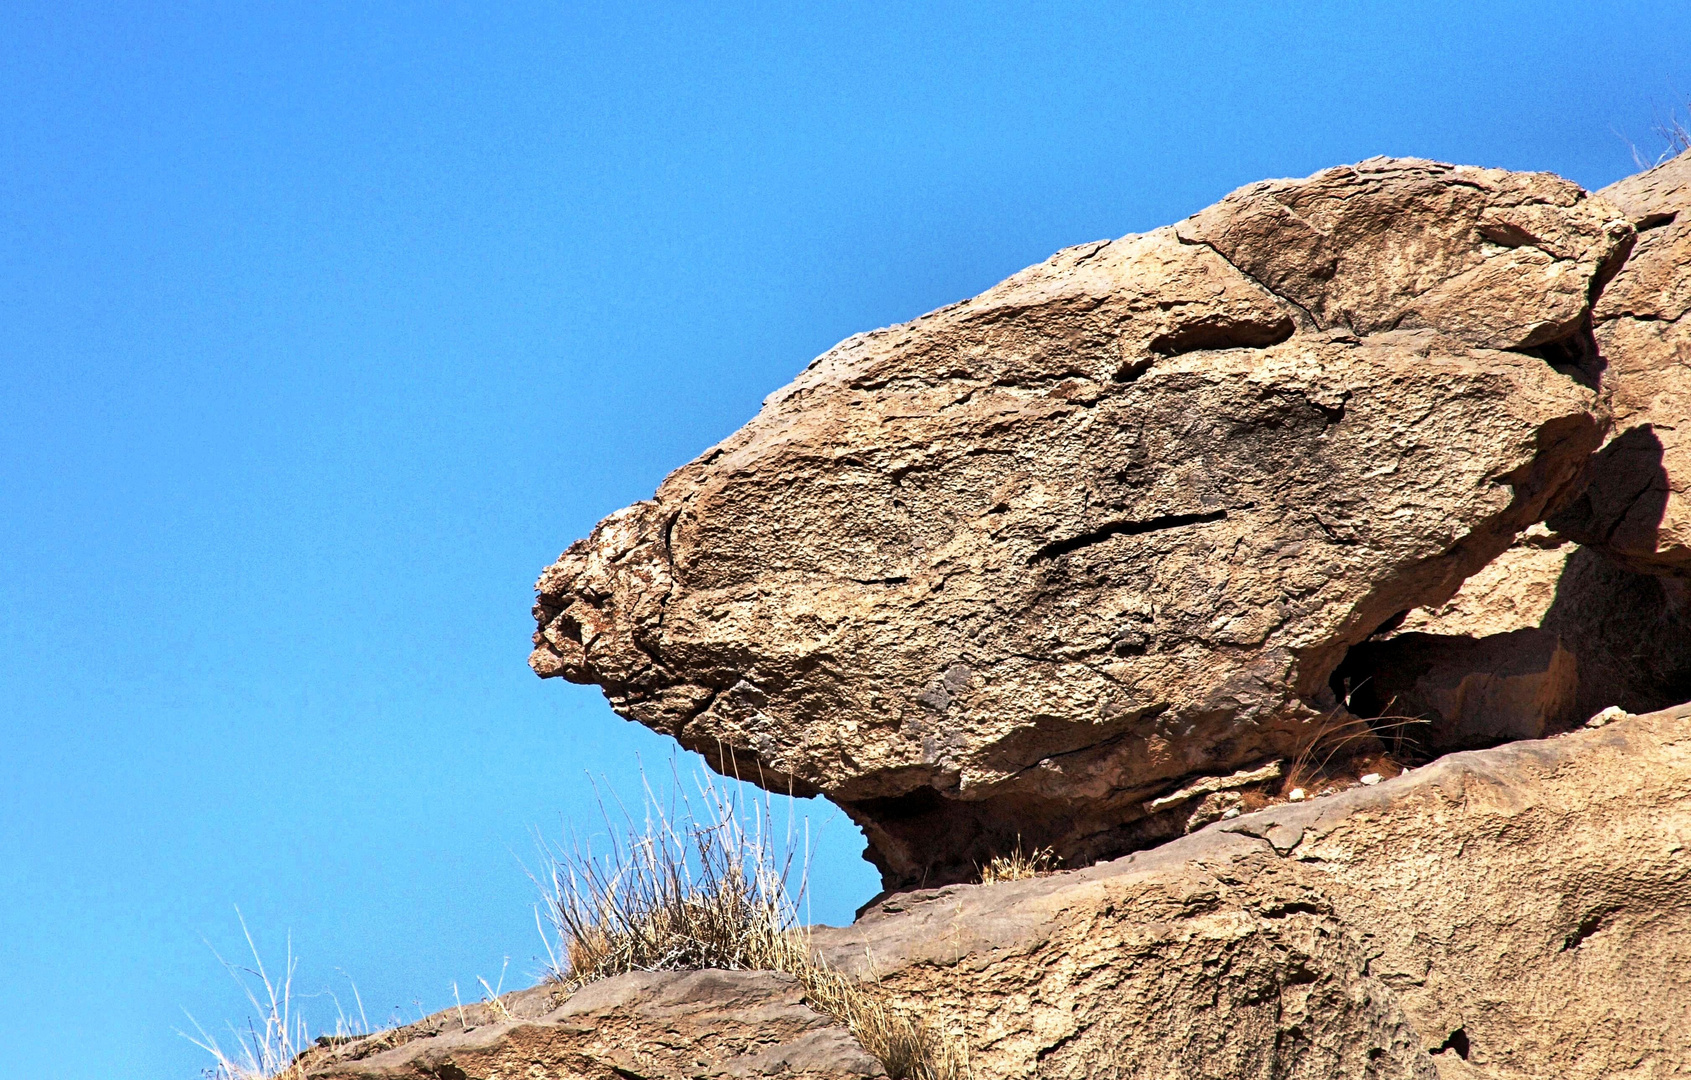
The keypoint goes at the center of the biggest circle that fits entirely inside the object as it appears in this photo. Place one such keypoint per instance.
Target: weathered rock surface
(1018, 567)
(1515, 591)
(1523, 911)
(1638, 504)
(1546, 636)
(651, 1025)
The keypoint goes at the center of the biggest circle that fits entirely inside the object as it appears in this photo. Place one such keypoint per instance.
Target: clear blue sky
(324, 328)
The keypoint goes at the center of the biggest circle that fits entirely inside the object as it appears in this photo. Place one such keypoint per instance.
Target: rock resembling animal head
(1015, 567)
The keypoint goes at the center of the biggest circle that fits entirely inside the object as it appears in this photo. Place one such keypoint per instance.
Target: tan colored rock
(1638, 504)
(690, 1025)
(1500, 260)
(1026, 563)
(1547, 635)
(1523, 911)
(1515, 591)
(1517, 912)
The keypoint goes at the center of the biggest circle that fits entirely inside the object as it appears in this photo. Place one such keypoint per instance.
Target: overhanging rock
(1013, 569)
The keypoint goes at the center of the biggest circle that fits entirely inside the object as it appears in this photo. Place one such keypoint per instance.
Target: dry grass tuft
(1674, 134)
(684, 890)
(1340, 737)
(270, 1047)
(908, 1045)
(1019, 865)
(693, 889)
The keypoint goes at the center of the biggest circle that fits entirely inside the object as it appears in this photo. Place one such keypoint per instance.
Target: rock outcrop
(1111, 553)
(1638, 504)
(1017, 568)
(1523, 911)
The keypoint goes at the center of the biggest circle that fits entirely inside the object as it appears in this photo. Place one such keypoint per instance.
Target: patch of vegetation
(269, 1047)
(1344, 745)
(1674, 135)
(709, 888)
(1019, 865)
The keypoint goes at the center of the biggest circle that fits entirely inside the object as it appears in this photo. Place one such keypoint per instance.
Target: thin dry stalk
(1337, 737)
(908, 1045)
(1674, 134)
(686, 890)
(270, 1046)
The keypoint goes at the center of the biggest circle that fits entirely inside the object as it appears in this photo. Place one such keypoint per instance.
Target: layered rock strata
(697, 1025)
(1018, 568)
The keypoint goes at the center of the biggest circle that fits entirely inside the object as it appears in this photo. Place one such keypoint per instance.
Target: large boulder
(1638, 504)
(1015, 568)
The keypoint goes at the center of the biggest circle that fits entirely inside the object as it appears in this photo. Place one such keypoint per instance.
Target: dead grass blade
(1340, 734)
(269, 1047)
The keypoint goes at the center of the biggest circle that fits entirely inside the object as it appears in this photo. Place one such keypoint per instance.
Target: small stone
(1370, 778)
(1214, 807)
(1297, 795)
(1607, 716)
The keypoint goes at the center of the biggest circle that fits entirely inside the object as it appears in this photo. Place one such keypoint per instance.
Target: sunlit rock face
(1014, 568)
(1637, 507)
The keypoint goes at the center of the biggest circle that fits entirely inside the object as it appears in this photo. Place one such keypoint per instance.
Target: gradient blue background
(324, 328)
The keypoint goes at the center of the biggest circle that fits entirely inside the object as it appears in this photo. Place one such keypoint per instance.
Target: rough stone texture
(650, 1025)
(1518, 912)
(1545, 637)
(1638, 505)
(1515, 591)
(1026, 563)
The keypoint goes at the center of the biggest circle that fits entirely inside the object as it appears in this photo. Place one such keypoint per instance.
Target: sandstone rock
(1022, 565)
(1546, 636)
(652, 1025)
(1517, 912)
(1638, 504)
(1523, 911)
(1515, 591)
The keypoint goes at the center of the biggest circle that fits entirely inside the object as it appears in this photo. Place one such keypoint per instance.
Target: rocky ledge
(1523, 911)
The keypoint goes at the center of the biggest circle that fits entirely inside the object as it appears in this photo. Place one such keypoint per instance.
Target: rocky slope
(1026, 564)
(1523, 911)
